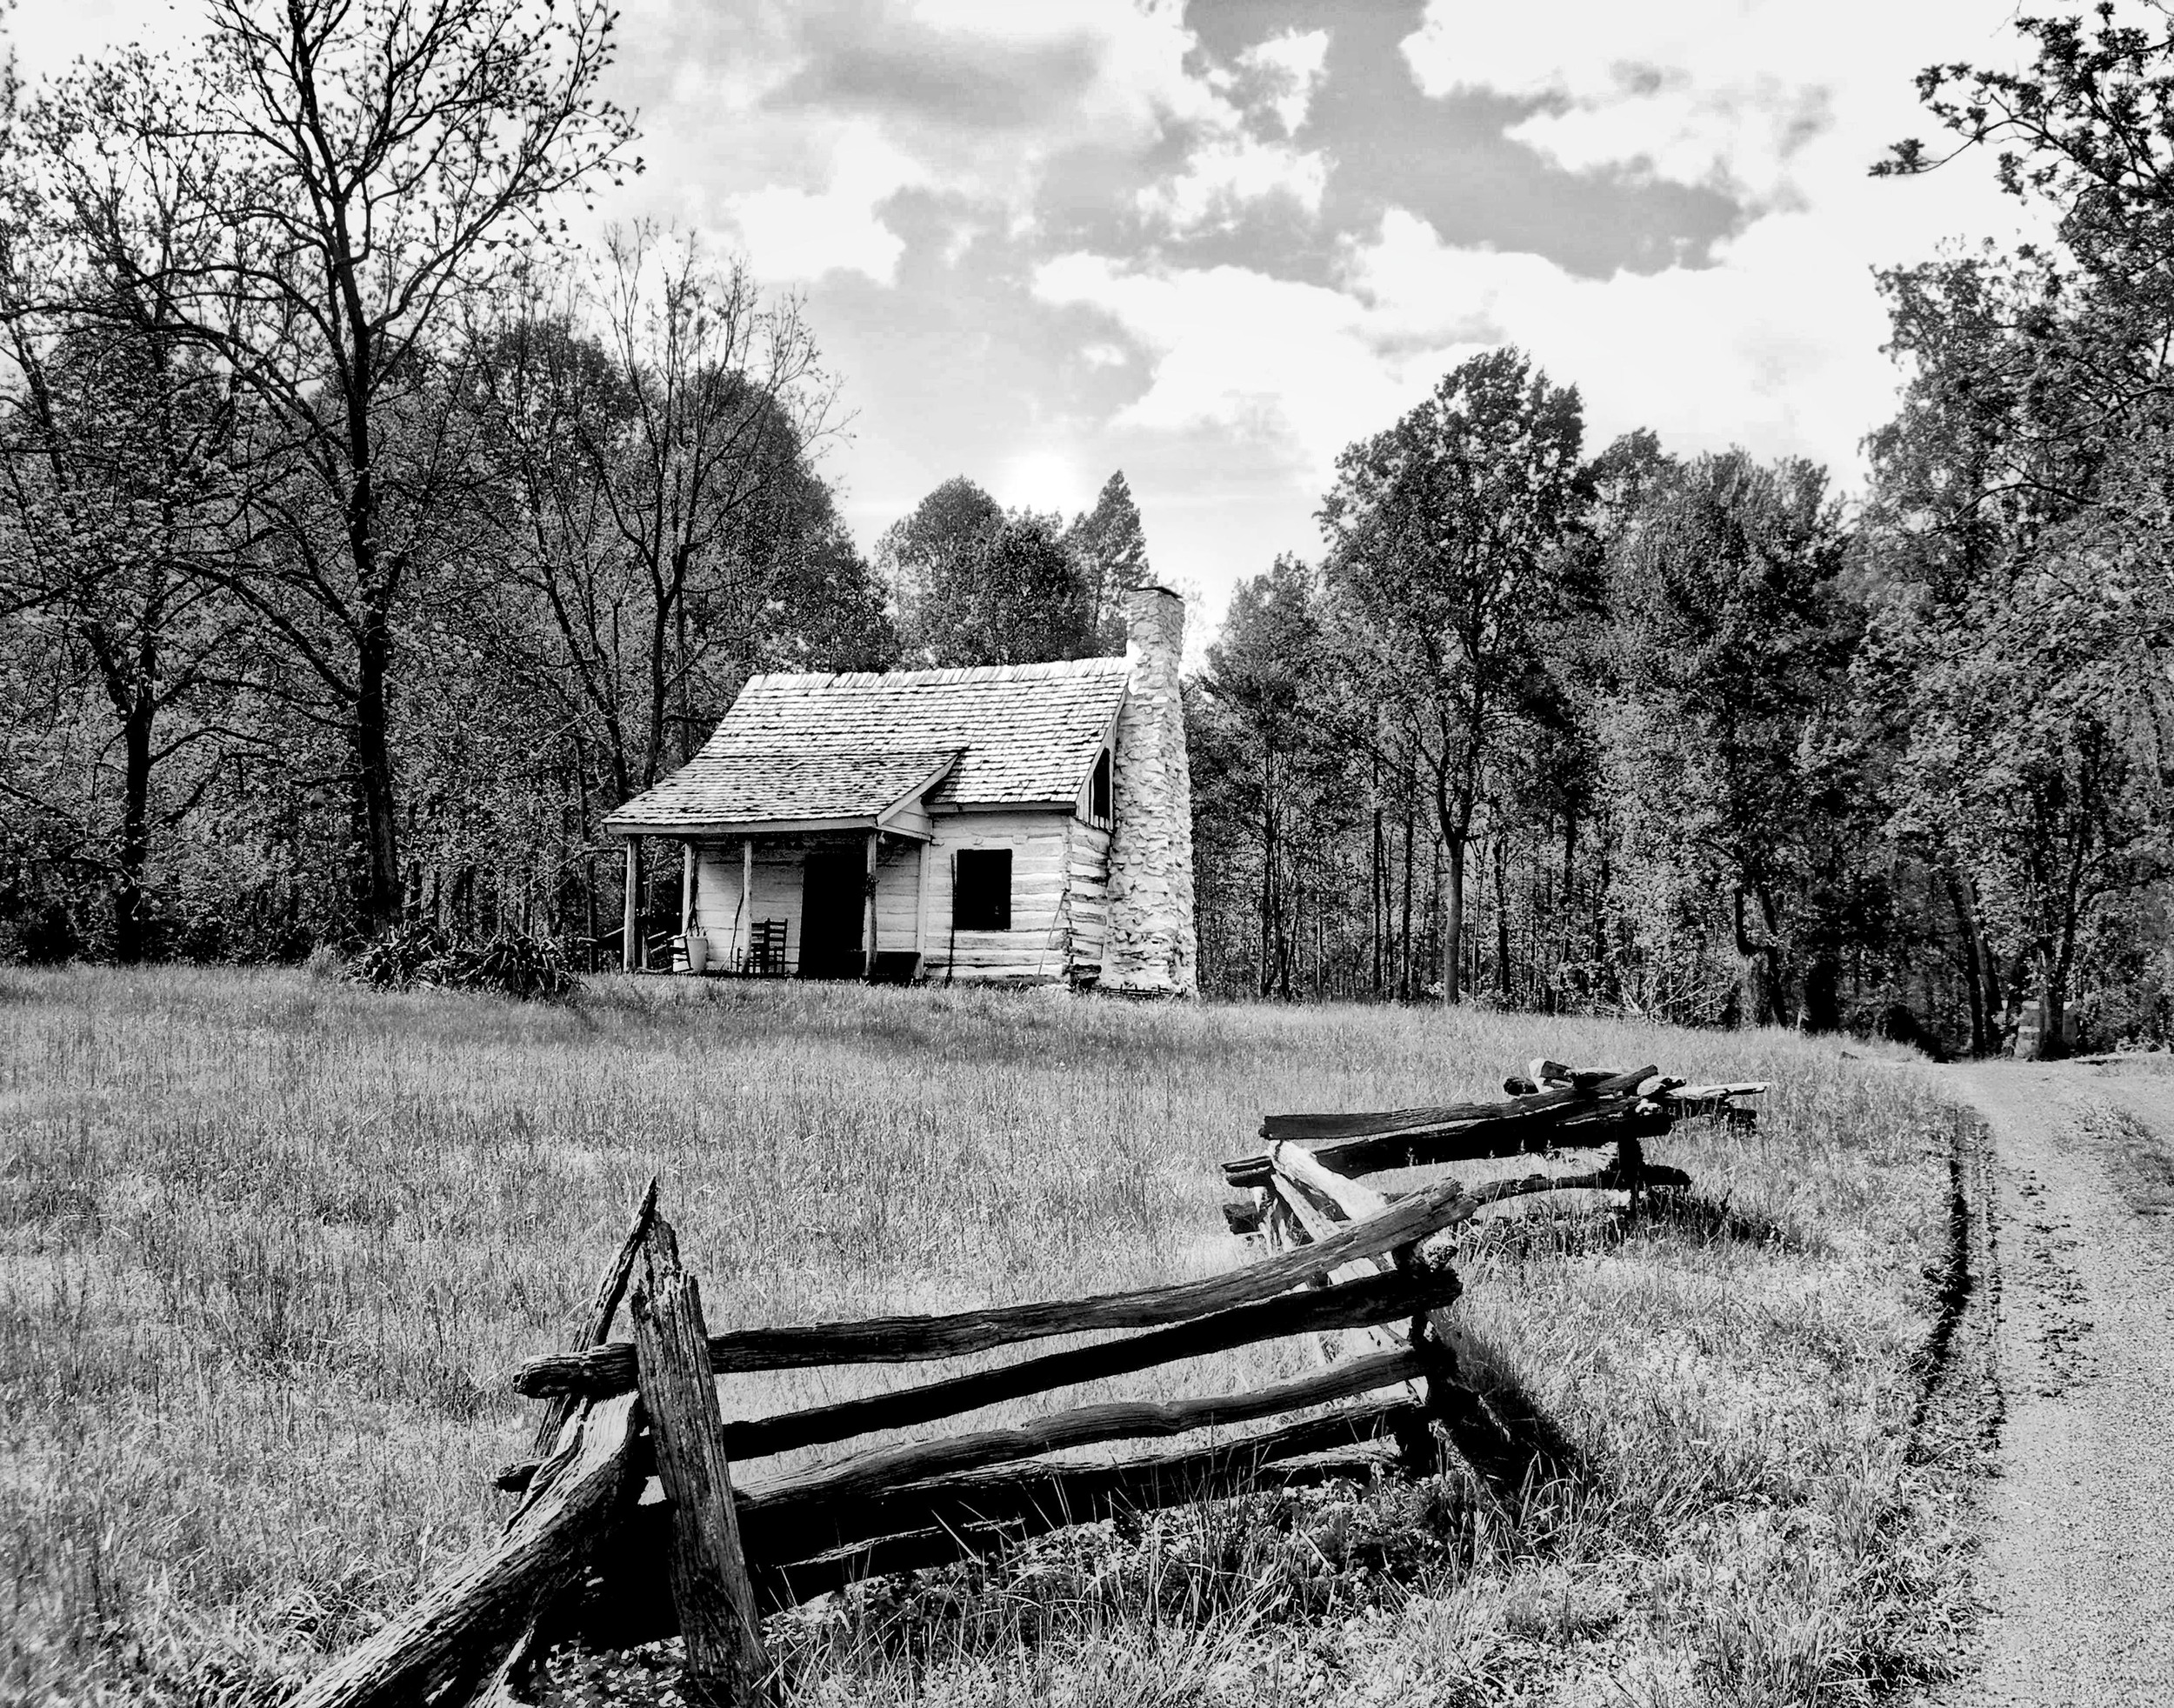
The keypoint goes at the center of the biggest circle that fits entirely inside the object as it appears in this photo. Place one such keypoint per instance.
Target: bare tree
(653, 427)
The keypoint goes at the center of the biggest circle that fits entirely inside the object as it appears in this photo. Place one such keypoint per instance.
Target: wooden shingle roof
(809, 747)
(723, 792)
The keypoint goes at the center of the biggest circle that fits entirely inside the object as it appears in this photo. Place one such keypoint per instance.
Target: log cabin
(1019, 825)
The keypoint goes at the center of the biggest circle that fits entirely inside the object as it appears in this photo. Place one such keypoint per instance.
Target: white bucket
(698, 951)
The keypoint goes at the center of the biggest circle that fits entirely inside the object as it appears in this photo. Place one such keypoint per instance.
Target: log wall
(1087, 901)
(1035, 951)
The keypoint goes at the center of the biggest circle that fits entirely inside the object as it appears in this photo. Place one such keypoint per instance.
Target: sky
(1210, 243)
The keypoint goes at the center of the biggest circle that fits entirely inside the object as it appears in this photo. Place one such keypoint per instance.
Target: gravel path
(2079, 1569)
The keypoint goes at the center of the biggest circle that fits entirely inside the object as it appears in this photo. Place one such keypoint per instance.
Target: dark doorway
(831, 904)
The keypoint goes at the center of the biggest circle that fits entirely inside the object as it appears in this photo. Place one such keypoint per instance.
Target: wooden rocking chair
(766, 949)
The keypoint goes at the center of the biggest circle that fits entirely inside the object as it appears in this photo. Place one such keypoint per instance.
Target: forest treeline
(364, 543)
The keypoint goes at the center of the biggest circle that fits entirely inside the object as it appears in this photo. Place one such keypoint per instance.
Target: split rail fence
(585, 1557)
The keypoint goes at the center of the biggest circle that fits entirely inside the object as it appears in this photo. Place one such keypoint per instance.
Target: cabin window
(981, 900)
(1098, 791)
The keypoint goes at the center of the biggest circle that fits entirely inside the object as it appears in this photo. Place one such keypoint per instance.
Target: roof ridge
(912, 749)
(943, 676)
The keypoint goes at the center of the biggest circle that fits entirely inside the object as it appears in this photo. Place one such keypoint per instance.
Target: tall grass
(268, 1245)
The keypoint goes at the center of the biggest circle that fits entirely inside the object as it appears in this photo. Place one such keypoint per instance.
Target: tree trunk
(1265, 969)
(1823, 994)
(2061, 967)
(378, 868)
(1453, 919)
(1404, 973)
(1973, 964)
(1757, 968)
(1376, 901)
(1502, 916)
(129, 923)
(1569, 884)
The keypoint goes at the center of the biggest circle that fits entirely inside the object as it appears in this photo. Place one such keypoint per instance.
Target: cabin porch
(833, 904)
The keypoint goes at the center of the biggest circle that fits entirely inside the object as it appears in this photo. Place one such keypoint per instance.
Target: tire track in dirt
(2078, 1573)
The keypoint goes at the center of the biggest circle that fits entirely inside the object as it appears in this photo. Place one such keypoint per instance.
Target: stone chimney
(1151, 946)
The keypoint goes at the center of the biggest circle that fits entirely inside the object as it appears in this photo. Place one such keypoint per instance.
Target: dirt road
(2079, 1569)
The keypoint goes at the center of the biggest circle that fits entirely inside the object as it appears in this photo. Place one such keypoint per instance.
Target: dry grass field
(268, 1245)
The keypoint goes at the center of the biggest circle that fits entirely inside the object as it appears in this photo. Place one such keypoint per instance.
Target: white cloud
(1291, 66)
(792, 142)
(1746, 94)
(1231, 166)
(1776, 345)
(1743, 138)
(793, 234)
(1286, 367)
(1227, 174)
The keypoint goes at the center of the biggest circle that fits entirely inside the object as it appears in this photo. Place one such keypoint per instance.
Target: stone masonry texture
(1152, 945)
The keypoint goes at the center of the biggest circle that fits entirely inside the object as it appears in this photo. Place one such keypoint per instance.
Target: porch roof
(797, 790)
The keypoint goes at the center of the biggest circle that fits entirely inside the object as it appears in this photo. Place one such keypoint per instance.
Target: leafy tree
(977, 585)
(363, 165)
(1732, 747)
(116, 510)
(1448, 549)
(1273, 767)
(2087, 129)
(935, 543)
(121, 447)
(1111, 548)
(2019, 653)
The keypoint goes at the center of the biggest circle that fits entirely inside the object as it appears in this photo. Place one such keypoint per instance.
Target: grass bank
(268, 1245)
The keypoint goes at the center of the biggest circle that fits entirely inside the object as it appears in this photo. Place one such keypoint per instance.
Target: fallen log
(610, 1369)
(1384, 1122)
(1554, 1120)
(458, 1631)
(804, 1495)
(1627, 1172)
(1684, 1101)
(777, 1535)
(1378, 1298)
(1073, 1494)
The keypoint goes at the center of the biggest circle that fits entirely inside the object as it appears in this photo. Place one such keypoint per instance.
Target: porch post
(633, 878)
(921, 911)
(687, 889)
(867, 912)
(743, 932)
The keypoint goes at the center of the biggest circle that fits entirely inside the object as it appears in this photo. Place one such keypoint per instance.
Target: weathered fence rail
(1362, 1273)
